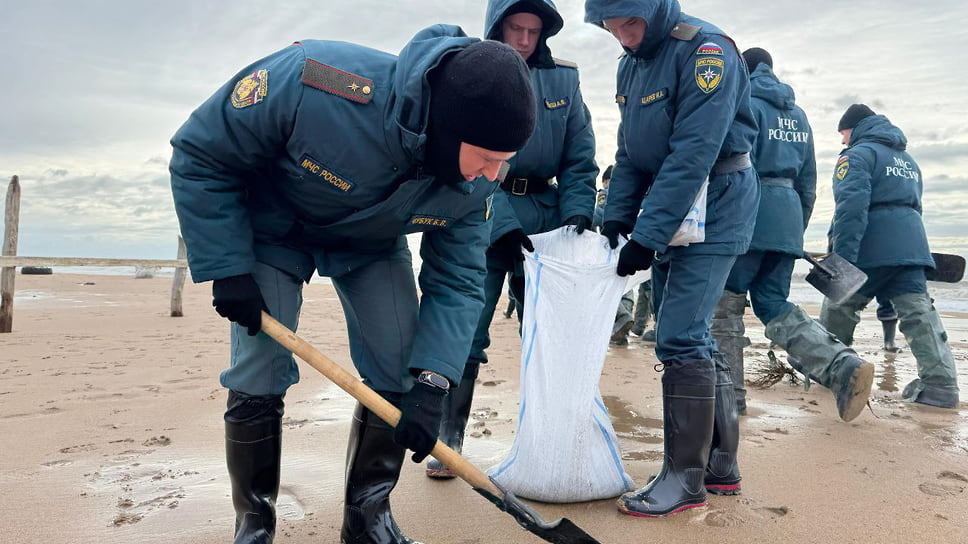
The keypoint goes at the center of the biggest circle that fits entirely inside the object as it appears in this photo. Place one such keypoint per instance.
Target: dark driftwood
(8, 274)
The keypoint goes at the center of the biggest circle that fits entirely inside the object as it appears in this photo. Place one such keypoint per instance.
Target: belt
(778, 182)
(525, 186)
(732, 163)
(886, 205)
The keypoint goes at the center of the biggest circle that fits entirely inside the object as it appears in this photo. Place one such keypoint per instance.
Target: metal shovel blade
(563, 531)
(947, 268)
(835, 277)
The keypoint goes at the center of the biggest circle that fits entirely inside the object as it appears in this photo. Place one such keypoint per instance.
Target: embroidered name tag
(657, 96)
(555, 104)
(324, 173)
(429, 221)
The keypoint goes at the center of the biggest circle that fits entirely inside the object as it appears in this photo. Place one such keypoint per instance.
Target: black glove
(419, 425)
(579, 221)
(634, 257)
(238, 299)
(611, 230)
(508, 247)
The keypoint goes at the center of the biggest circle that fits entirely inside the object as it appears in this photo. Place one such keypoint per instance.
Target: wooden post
(179, 281)
(9, 274)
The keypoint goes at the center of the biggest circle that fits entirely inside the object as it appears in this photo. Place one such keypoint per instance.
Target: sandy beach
(111, 426)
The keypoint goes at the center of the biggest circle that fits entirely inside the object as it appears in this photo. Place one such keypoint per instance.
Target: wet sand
(110, 418)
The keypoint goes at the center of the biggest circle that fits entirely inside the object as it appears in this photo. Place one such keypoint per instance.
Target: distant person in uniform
(320, 158)
(784, 159)
(644, 312)
(624, 314)
(887, 315)
(551, 182)
(877, 226)
(683, 97)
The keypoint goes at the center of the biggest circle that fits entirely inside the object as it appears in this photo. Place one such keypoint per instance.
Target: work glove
(508, 247)
(421, 410)
(238, 299)
(634, 257)
(580, 222)
(612, 229)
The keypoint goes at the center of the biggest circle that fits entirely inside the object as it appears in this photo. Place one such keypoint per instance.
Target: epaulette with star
(684, 32)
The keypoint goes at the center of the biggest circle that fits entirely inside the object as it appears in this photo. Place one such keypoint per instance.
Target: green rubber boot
(819, 355)
(937, 382)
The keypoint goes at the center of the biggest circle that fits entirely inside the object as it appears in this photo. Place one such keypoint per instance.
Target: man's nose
(490, 171)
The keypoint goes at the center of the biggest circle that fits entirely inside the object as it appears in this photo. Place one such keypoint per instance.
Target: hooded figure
(683, 96)
(877, 226)
(320, 158)
(783, 156)
(551, 181)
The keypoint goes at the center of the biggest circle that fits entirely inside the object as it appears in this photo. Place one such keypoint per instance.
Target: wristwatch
(433, 379)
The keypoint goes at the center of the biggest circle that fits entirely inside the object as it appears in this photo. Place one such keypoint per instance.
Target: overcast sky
(95, 89)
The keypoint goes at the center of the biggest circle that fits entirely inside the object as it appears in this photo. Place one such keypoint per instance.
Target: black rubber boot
(688, 398)
(373, 463)
(890, 329)
(729, 330)
(722, 471)
(457, 409)
(253, 447)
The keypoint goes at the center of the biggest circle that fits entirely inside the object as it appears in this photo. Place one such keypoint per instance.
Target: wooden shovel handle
(377, 404)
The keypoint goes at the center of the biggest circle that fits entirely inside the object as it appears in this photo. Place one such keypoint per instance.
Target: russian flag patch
(709, 48)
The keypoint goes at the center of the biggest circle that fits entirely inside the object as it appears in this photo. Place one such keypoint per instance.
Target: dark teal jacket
(877, 189)
(563, 144)
(684, 103)
(784, 159)
(309, 158)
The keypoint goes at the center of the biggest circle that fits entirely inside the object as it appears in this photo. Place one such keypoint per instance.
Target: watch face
(434, 379)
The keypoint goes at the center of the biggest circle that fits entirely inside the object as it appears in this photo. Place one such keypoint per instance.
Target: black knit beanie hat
(754, 56)
(854, 114)
(480, 95)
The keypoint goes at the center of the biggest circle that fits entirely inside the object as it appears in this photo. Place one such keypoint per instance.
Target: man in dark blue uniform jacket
(877, 226)
(551, 181)
(683, 95)
(784, 160)
(320, 158)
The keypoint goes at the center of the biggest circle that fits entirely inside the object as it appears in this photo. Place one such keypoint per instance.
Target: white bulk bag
(565, 449)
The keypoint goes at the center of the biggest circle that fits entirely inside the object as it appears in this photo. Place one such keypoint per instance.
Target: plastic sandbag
(693, 227)
(565, 448)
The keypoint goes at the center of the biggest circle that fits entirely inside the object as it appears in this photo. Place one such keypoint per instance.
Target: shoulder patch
(709, 73)
(251, 89)
(710, 48)
(843, 165)
(335, 81)
(565, 63)
(684, 32)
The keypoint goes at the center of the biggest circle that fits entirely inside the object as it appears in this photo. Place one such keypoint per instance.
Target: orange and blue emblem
(843, 165)
(709, 73)
(251, 89)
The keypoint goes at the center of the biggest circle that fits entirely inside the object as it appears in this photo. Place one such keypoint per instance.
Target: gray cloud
(98, 89)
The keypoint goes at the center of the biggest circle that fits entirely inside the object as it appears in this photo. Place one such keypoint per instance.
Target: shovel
(562, 531)
(947, 268)
(835, 277)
